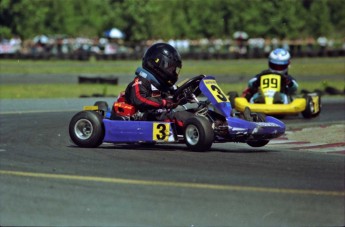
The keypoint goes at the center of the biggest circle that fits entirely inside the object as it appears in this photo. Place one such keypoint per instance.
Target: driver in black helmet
(152, 89)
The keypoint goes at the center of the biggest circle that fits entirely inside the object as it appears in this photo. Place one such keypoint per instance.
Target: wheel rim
(192, 134)
(311, 106)
(83, 129)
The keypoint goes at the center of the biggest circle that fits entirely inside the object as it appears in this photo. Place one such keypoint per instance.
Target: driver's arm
(291, 84)
(254, 83)
(141, 96)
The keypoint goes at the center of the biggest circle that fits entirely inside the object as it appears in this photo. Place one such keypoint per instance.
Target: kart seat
(122, 108)
(121, 97)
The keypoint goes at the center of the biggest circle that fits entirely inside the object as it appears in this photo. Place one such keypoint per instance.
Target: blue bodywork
(117, 131)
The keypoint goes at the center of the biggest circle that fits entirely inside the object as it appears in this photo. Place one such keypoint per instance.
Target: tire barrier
(334, 91)
(97, 95)
(98, 80)
(327, 91)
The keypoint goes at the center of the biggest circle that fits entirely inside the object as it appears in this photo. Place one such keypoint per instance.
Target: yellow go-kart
(270, 100)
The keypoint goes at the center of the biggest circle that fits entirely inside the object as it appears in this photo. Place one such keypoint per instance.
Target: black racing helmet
(164, 62)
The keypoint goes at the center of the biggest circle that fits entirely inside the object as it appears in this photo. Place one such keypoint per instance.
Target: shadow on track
(174, 147)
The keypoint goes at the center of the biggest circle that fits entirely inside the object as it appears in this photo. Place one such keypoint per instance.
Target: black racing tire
(320, 107)
(308, 111)
(258, 143)
(86, 129)
(309, 108)
(198, 134)
(260, 117)
(232, 96)
(279, 116)
(102, 107)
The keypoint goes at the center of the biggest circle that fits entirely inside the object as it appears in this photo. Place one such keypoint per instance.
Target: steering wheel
(184, 92)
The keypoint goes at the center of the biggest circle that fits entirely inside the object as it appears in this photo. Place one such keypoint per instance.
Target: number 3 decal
(215, 90)
(161, 131)
(219, 94)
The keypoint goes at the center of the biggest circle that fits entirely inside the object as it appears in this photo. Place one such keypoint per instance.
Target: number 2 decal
(161, 131)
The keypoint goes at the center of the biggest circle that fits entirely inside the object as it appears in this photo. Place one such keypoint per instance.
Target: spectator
(322, 42)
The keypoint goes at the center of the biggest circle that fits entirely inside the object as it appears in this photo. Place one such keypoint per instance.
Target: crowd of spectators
(81, 48)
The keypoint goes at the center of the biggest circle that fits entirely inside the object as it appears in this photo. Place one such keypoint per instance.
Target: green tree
(28, 17)
(145, 19)
(135, 17)
(319, 23)
(337, 17)
(273, 18)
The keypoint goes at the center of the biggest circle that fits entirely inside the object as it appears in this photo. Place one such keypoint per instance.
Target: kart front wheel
(258, 117)
(86, 129)
(258, 143)
(198, 134)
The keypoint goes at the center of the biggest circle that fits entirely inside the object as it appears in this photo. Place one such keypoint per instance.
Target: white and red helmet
(279, 60)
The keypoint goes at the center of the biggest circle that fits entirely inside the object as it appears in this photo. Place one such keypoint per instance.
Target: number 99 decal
(161, 131)
(270, 81)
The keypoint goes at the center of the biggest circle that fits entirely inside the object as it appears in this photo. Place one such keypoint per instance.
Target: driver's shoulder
(269, 72)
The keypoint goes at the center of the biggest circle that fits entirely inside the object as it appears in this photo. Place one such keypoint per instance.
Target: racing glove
(288, 82)
(169, 104)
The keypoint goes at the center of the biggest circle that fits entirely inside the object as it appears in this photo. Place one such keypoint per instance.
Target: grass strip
(23, 91)
(300, 67)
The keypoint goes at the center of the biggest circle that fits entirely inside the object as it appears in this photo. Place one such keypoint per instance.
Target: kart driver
(152, 89)
(278, 63)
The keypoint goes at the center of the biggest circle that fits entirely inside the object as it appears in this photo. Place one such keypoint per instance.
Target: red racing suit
(143, 93)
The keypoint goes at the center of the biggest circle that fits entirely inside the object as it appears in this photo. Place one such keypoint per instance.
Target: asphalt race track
(47, 181)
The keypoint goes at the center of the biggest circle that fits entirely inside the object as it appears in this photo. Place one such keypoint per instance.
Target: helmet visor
(278, 67)
(172, 69)
(177, 70)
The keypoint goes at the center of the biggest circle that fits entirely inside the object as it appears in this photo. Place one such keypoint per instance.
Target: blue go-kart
(213, 121)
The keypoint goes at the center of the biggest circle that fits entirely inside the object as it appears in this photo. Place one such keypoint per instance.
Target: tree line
(165, 19)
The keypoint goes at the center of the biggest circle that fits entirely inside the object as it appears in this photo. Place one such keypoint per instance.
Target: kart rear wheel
(198, 134)
(309, 111)
(319, 106)
(86, 129)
